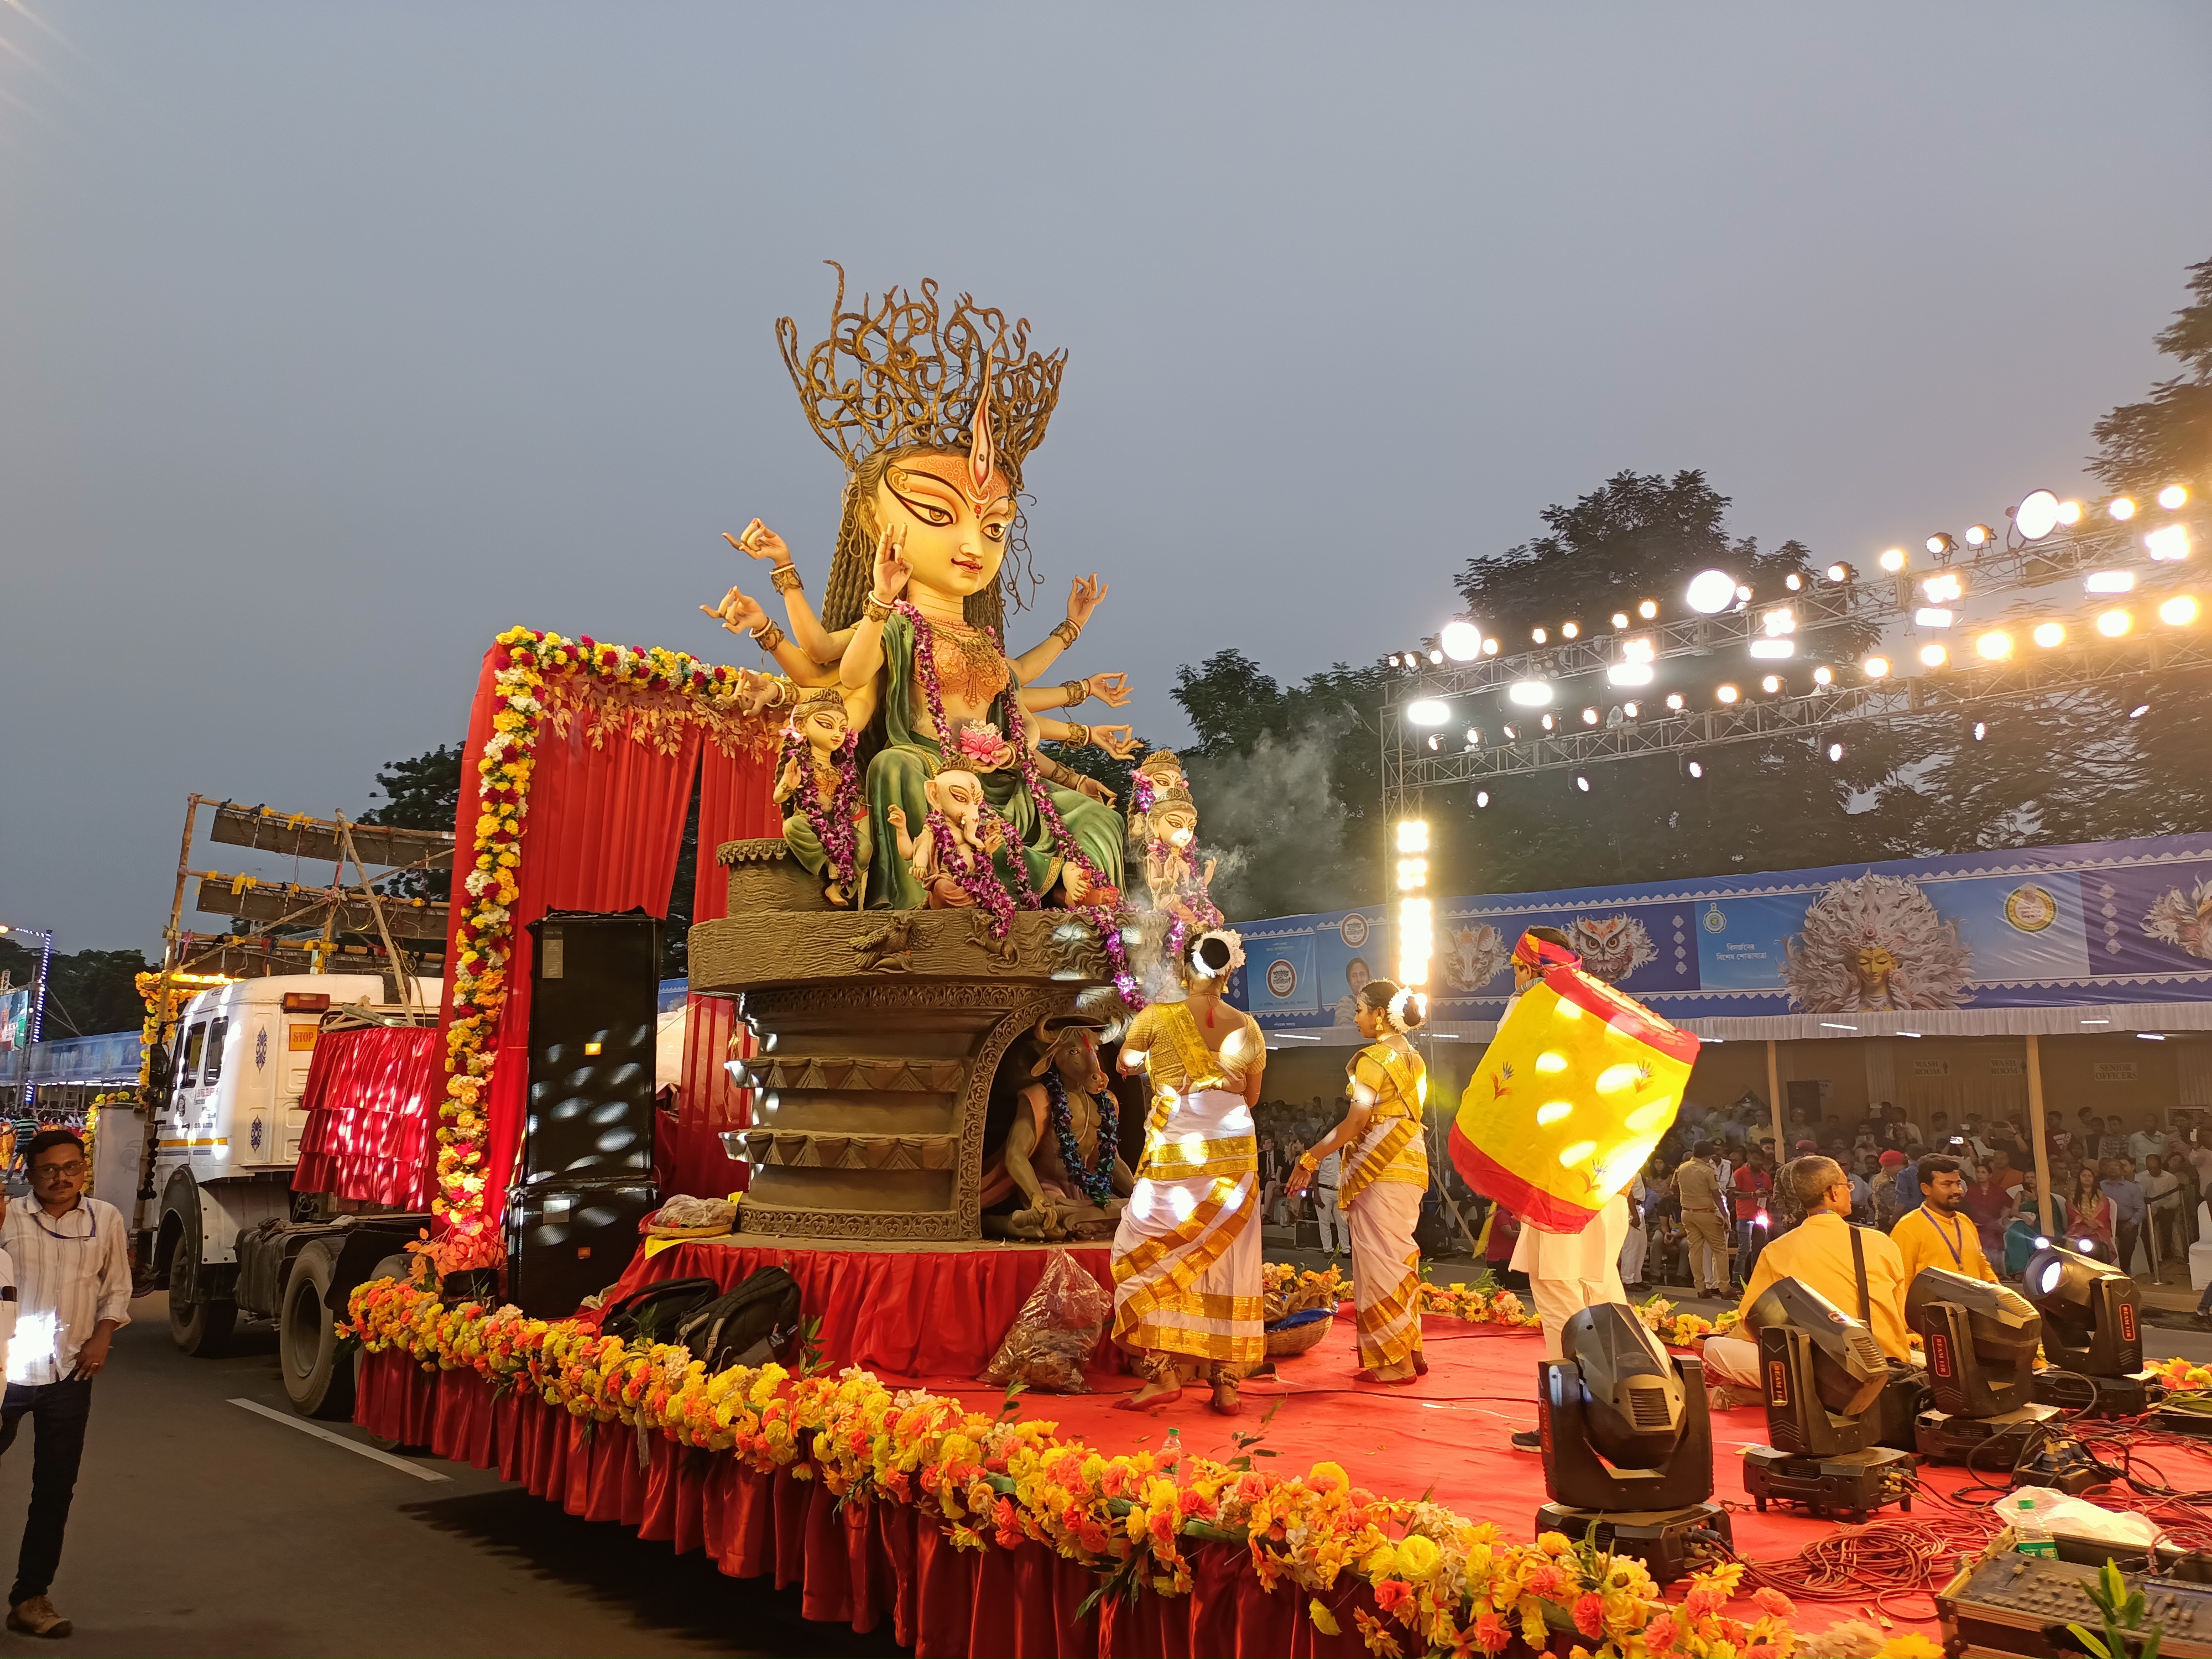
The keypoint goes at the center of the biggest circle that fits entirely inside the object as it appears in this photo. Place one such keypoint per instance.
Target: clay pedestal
(878, 1033)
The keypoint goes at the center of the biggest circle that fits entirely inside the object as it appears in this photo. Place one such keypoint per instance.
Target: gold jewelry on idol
(1069, 631)
(1076, 734)
(784, 578)
(1076, 691)
(768, 636)
(875, 610)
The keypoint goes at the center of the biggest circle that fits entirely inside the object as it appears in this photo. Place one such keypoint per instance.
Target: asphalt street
(203, 1528)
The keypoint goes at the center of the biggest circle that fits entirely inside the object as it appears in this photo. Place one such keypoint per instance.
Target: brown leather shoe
(35, 1616)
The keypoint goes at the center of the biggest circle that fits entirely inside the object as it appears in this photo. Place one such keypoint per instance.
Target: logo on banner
(2030, 909)
(1355, 930)
(1716, 919)
(1282, 979)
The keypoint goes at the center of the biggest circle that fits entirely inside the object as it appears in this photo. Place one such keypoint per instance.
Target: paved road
(200, 1528)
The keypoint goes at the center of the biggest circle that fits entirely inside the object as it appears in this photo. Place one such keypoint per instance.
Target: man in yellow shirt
(1817, 1253)
(1940, 1233)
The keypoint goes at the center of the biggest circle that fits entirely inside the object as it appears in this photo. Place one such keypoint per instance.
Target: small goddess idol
(826, 830)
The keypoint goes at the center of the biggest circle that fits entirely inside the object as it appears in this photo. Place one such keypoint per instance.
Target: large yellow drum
(1571, 1096)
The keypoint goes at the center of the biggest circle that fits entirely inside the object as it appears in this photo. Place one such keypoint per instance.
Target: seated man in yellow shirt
(1940, 1233)
(1817, 1253)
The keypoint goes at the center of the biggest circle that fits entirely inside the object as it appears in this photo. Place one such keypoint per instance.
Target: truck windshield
(195, 1040)
(217, 1032)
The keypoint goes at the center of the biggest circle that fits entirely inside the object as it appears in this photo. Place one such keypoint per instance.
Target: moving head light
(1824, 1376)
(1981, 1341)
(2092, 1328)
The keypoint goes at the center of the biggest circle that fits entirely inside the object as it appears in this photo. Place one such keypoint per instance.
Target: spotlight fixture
(1697, 770)
(1436, 743)
(1778, 621)
(1530, 694)
(2069, 513)
(1590, 717)
(1934, 656)
(1835, 751)
(1876, 667)
(2173, 495)
(1428, 712)
(2109, 582)
(1462, 641)
(1710, 592)
(1629, 673)
(1995, 646)
(1436, 657)
(2168, 542)
(1947, 588)
(1743, 591)
(1640, 649)
(1512, 736)
(1728, 693)
(1840, 572)
(1570, 630)
(1933, 616)
(1539, 635)
(1619, 620)
(1979, 535)
(1794, 582)
(1773, 650)
(1482, 797)
(2178, 610)
(1473, 735)
(1940, 546)
(1582, 783)
(1545, 722)
(2037, 515)
(1394, 659)
(2120, 509)
(1631, 710)
(2048, 633)
(2113, 624)
(1674, 701)
(1771, 684)
(1824, 676)
(1647, 609)
(1490, 647)
(1893, 561)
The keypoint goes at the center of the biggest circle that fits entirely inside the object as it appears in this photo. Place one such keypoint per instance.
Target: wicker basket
(1288, 1343)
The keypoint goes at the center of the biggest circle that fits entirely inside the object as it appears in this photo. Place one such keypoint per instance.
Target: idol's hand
(738, 614)
(895, 816)
(757, 541)
(1112, 689)
(1115, 740)
(891, 570)
(789, 780)
(1097, 791)
(1083, 598)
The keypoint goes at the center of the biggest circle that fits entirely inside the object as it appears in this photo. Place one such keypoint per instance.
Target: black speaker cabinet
(594, 991)
(567, 1240)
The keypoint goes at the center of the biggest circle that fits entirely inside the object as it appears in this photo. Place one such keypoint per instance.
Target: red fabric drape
(604, 826)
(371, 1098)
(735, 802)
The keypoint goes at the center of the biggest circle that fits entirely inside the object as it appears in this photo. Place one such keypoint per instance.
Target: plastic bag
(1054, 1336)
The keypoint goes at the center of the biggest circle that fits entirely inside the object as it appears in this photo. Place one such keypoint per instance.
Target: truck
(258, 1072)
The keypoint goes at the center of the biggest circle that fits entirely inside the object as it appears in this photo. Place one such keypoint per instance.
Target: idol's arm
(1112, 689)
(863, 657)
(1083, 598)
(757, 541)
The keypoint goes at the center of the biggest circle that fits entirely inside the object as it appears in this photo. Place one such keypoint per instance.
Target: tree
(88, 993)
(2166, 438)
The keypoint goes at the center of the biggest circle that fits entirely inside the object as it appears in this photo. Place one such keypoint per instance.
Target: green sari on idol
(909, 758)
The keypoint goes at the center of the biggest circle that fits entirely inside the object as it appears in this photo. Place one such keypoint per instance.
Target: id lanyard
(1955, 1242)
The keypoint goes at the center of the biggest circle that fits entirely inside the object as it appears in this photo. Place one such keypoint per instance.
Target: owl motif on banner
(1611, 947)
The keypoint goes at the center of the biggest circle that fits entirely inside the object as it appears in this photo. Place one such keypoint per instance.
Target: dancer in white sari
(1187, 1283)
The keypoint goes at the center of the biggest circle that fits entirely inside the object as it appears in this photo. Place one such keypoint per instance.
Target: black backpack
(655, 1311)
(749, 1325)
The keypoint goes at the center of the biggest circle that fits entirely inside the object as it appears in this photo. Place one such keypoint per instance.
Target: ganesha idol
(933, 416)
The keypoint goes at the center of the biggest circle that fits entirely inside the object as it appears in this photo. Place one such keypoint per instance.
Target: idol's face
(954, 535)
(824, 729)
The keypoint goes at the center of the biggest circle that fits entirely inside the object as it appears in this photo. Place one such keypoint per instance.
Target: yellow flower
(1911, 1645)
(1417, 1557)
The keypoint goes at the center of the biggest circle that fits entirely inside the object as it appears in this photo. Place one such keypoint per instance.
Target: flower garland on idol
(528, 661)
(833, 824)
(1096, 1181)
(1448, 1584)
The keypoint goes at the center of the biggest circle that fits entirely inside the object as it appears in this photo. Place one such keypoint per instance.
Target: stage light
(2109, 582)
(2047, 634)
(2120, 509)
(1436, 657)
(1570, 630)
(1545, 722)
(1394, 659)
(1512, 736)
(1876, 667)
(1697, 770)
(1428, 712)
(1710, 592)
(2037, 516)
(2173, 495)
(1629, 673)
(1436, 743)
(2178, 610)
(1412, 874)
(1728, 693)
(2113, 624)
(1462, 641)
(1778, 621)
(1771, 684)
(1590, 717)
(1835, 751)
(1482, 797)
(2168, 542)
(1490, 647)
(1474, 735)
(1981, 731)
(1631, 710)
(1647, 609)
(1743, 591)
(1793, 581)
(1530, 694)
(2069, 513)
(1582, 784)
(1773, 650)
(1949, 588)
(1413, 834)
(1619, 620)
(1640, 649)
(1934, 656)
(1674, 701)
(1840, 572)
(1539, 635)
(1996, 646)
(1941, 545)
(1931, 616)
(1893, 561)
(1979, 535)
(1824, 676)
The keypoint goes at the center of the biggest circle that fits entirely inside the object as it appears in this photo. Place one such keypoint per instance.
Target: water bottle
(2030, 1535)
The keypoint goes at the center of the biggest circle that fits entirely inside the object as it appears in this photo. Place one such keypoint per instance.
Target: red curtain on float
(372, 1102)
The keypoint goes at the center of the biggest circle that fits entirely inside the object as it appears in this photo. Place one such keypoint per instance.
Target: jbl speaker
(593, 1005)
(567, 1240)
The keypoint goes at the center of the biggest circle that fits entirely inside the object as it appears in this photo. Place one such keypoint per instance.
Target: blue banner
(2037, 926)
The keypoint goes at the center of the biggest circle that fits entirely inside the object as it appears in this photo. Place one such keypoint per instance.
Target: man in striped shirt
(73, 1274)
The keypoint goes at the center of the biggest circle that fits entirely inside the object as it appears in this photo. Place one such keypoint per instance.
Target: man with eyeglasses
(72, 1267)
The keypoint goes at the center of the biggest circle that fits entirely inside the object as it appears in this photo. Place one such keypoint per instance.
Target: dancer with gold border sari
(1187, 1280)
(1386, 1172)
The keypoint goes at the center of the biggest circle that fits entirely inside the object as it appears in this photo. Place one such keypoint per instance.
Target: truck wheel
(201, 1329)
(397, 1265)
(318, 1379)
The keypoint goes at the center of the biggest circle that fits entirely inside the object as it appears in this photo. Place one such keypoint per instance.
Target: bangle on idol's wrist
(1076, 691)
(1078, 734)
(768, 636)
(875, 610)
(1068, 632)
(784, 578)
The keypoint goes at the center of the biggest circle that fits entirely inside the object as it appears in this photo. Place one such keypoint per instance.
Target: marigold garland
(1451, 1585)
